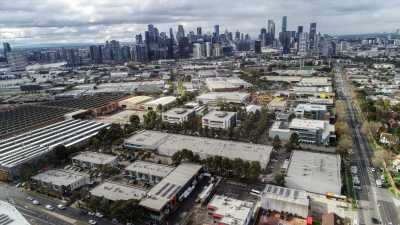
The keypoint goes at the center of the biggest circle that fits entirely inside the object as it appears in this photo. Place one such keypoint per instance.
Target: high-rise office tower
(6, 48)
(96, 54)
(313, 33)
(199, 31)
(286, 41)
(257, 47)
(171, 34)
(139, 39)
(216, 30)
(284, 24)
(271, 31)
(303, 44)
(217, 50)
(181, 33)
(237, 35)
(17, 60)
(197, 51)
(263, 37)
(208, 49)
(299, 31)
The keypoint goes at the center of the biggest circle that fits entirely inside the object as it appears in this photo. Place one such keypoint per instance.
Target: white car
(35, 202)
(91, 213)
(29, 198)
(99, 215)
(93, 222)
(49, 207)
(60, 206)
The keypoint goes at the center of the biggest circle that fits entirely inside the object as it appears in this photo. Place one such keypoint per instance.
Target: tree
(382, 157)
(151, 120)
(134, 120)
(276, 144)
(60, 153)
(344, 146)
(279, 179)
(293, 142)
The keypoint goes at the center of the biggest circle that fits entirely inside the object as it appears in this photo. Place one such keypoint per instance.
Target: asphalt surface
(374, 202)
(38, 214)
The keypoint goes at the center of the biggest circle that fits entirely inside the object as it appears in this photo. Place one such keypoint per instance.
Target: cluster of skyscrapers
(297, 42)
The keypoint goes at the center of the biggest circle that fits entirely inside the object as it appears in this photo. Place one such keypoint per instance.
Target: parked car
(60, 206)
(35, 202)
(93, 222)
(49, 207)
(99, 215)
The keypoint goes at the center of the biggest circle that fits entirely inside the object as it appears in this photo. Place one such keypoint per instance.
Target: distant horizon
(77, 44)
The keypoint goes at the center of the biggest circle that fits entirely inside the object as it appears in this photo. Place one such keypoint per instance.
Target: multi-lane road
(38, 214)
(376, 204)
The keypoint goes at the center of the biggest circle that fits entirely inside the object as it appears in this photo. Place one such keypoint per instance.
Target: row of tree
(125, 211)
(223, 166)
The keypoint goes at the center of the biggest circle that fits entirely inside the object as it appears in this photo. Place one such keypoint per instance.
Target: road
(37, 214)
(374, 202)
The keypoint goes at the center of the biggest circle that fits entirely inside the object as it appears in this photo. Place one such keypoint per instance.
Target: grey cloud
(69, 20)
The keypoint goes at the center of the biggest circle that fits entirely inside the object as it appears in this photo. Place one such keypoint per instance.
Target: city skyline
(94, 22)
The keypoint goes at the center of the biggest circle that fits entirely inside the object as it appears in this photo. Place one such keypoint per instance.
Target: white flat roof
(168, 144)
(310, 107)
(162, 101)
(307, 124)
(219, 115)
(60, 177)
(115, 191)
(136, 100)
(11, 214)
(95, 158)
(283, 194)
(167, 189)
(231, 211)
(227, 96)
(178, 112)
(150, 168)
(314, 172)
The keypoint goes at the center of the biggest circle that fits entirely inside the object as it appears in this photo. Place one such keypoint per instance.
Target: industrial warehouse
(32, 145)
(167, 144)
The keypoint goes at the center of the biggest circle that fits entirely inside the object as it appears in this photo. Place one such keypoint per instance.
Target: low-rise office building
(314, 172)
(61, 181)
(178, 115)
(115, 192)
(168, 144)
(219, 120)
(310, 111)
(148, 172)
(165, 103)
(318, 132)
(213, 98)
(94, 159)
(229, 211)
(166, 196)
(280, 199)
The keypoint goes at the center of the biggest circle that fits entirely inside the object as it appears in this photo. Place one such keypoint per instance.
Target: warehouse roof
(314, 172)
(115, 191)
(95, 158)
(229, 210)
(60, 177)
(162, 101)
(135, 100)
(22, 148)
(290, 195)
(168, 144)
(167, 189)
(9, 215)
(150, 168)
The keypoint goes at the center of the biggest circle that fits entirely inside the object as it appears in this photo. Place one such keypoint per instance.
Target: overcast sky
(73, 21)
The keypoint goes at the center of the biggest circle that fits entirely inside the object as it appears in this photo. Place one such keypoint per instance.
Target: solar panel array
(87, 102)
(26, 117)
(4, 219)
